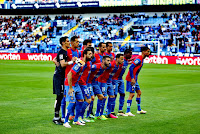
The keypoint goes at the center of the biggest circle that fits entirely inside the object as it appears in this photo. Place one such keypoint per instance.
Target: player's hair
(107, 44)
(87, 41)
(127, 51)
(105, 56)
(86, 50)
(100, 44)
(144, 49)
(118, 55)
(74, 38)
(91, 48)
(63, 39)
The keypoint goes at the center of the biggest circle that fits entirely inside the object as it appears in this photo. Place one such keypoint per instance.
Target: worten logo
(189, 61)
(10, 57)
(39, 57)
(158, 60)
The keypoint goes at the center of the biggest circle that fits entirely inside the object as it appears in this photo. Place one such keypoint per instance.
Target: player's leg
(121, 97)
(79, 103)
(111, 100)
(90, 107)
(98, 93)
(69, 109)
(103, 87)
(115, 88)
(131, 90)
(57, 89)
(87, 101)
(138, 100)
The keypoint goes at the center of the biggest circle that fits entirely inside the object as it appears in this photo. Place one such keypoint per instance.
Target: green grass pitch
(170, 95)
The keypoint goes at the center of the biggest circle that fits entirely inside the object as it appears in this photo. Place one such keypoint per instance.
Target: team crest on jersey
(136, 62)
(61, 56)
(76, 67)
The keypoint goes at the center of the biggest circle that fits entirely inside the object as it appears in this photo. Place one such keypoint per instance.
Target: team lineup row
(81, 75)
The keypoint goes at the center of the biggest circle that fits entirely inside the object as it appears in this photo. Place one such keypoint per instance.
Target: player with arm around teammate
(118, 82)
(73, 90)
(96, 71)
(105, 83)
(131, 81)
(58, 79)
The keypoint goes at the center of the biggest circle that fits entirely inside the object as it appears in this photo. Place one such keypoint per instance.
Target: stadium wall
(151, 59)
(118, 9)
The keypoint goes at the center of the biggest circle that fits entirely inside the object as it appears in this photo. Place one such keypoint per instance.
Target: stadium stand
(177, 32)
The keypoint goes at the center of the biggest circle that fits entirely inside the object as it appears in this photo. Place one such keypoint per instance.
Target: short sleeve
(62, 55)
(75, 69)
(137, 62)
(93, 68)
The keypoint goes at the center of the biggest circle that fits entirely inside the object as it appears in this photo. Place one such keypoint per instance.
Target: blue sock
(109, 105)
(99, 103)
(121, 102)
(128, 105)
(73, 109)
(106, 109)
(85, 104)
(69, 110)
(102, 107)
(138, 100)
(63, 107)
(90, 108)
(113, 105)
(78, 110)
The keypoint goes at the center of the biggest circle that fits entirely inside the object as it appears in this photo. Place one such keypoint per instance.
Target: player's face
(110, 47)
(147, 53)
(120, 60)
(75, 43)
(107, 62)
(89, 56)
(67, 43)
(103, 48)
(128, 55)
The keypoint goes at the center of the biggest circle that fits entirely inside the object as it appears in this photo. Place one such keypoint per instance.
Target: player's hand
(133, 82)
(71, 91)
(74, 59)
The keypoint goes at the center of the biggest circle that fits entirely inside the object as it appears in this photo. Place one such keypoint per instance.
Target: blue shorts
(85, 91)
(106, 88)
(130, 88)
(77, 94)
(90, 88)
(118, 86)
(96, 88)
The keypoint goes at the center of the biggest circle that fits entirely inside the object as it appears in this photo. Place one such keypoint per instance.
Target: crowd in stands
(180, 32)
(176, 32)
(99, 29)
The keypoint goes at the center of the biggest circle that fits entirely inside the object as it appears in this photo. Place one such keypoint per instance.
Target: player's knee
(139, 93)
(131, 95)
(122, 94)
(92, 98)
(88, 101)
(82, 100)
(111, 96)
(100, 97)
(59, 98)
